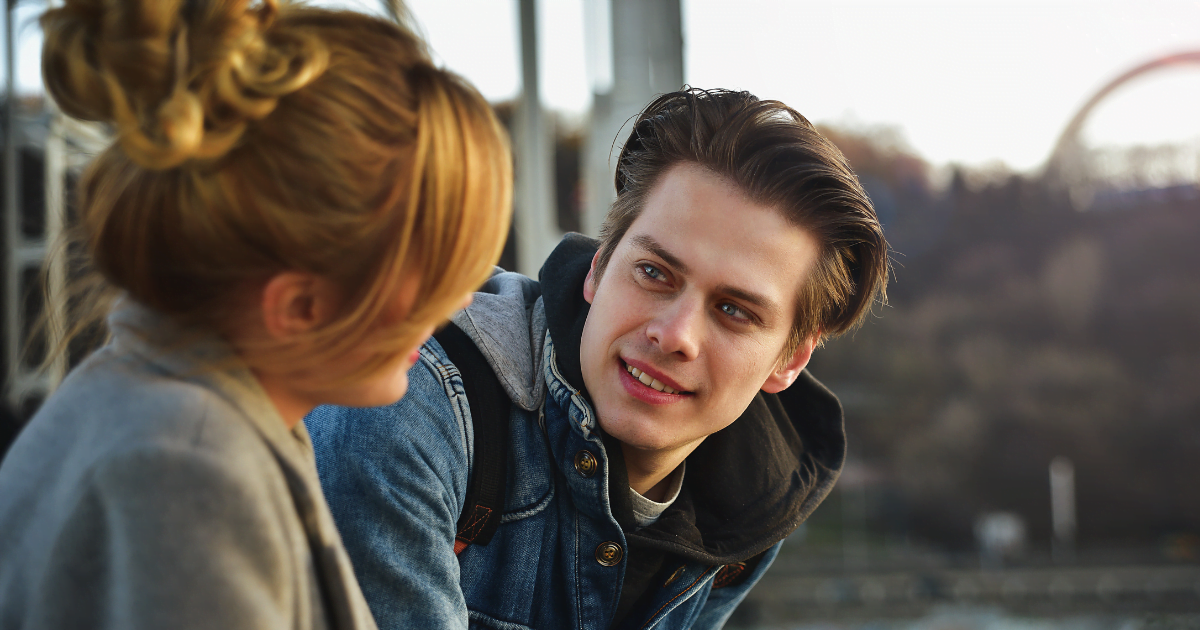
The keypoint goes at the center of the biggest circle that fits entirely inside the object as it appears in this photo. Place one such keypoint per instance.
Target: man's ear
(785, 374)
(589, 283)
(294, 303)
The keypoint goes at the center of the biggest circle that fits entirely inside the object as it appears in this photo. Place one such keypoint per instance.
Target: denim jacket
(396, 476)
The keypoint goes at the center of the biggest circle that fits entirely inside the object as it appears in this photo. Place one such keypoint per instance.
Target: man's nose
(677, 328)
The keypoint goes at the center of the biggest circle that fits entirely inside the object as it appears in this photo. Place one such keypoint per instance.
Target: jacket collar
(201, 357)
(204, 358)
(747, 486)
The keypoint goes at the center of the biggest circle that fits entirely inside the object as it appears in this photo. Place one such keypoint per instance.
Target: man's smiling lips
(649, 385)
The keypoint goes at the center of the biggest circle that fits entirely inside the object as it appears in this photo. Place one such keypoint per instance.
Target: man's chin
(635, 434)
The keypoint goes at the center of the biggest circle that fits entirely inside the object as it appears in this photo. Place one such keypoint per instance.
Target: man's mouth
(650, 381)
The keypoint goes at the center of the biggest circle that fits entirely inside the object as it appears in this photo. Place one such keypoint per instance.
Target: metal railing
(65, 145)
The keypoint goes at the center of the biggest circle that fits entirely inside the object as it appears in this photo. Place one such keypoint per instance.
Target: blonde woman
(295, 198)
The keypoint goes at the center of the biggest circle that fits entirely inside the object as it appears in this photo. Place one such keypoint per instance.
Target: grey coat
(153, 490)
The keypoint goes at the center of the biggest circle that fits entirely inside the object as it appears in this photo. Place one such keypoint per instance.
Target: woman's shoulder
(119, 458)
(121, 437)
(113, 406)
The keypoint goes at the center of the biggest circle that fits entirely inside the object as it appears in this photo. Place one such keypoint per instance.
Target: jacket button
(609, 554)
(586, 463)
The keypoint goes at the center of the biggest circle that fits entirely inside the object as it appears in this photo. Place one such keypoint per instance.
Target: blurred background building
(1024, 413)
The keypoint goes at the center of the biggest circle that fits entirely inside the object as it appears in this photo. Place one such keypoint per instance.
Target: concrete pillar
(647, 60)
(533, 203)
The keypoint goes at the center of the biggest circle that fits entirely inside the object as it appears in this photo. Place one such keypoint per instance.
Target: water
(957, 617)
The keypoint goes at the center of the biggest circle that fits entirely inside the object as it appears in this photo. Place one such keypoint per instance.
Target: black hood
(747, 486)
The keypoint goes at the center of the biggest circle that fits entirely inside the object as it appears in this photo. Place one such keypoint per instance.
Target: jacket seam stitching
(536, 508)
(578, 577)
(677, 596)
(450, 379)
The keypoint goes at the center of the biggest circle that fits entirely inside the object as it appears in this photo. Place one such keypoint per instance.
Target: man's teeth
(648, 381)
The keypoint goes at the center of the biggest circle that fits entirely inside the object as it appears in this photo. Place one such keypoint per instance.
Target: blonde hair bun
(179, 80)
(344, 153)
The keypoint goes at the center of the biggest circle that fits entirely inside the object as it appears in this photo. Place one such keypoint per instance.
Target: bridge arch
(1065, 167)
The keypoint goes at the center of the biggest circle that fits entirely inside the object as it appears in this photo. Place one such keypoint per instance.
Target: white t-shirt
(645, 511)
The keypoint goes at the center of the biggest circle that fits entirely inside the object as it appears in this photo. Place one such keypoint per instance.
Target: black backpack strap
(490, 407)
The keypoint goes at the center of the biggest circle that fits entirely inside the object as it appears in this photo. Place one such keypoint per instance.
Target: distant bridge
(1069, 165)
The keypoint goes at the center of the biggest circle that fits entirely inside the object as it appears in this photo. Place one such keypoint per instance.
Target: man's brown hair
(776, 157)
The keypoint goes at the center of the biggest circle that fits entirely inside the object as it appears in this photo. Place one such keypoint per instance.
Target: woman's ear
(295, 302)
(786, 373)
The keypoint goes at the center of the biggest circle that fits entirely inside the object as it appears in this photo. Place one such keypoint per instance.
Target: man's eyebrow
(755, 299)
(648, 243)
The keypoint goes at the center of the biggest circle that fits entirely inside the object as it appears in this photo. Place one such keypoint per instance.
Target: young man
(662, 435)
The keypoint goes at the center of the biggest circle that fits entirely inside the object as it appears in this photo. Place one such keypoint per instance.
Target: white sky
(967, 81)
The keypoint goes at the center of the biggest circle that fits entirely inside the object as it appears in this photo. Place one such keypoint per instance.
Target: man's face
(699, 295)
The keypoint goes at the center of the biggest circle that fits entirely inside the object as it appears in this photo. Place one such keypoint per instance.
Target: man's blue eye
(733, 311)
(652, 272)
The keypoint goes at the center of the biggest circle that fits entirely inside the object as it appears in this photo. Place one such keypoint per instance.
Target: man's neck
(649, 469)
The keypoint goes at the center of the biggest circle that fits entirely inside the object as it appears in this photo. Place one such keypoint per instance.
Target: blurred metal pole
(647, 60)
(12, 265)
(534, 210)
(853, 488)
(1062, 508)
(664, 45)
